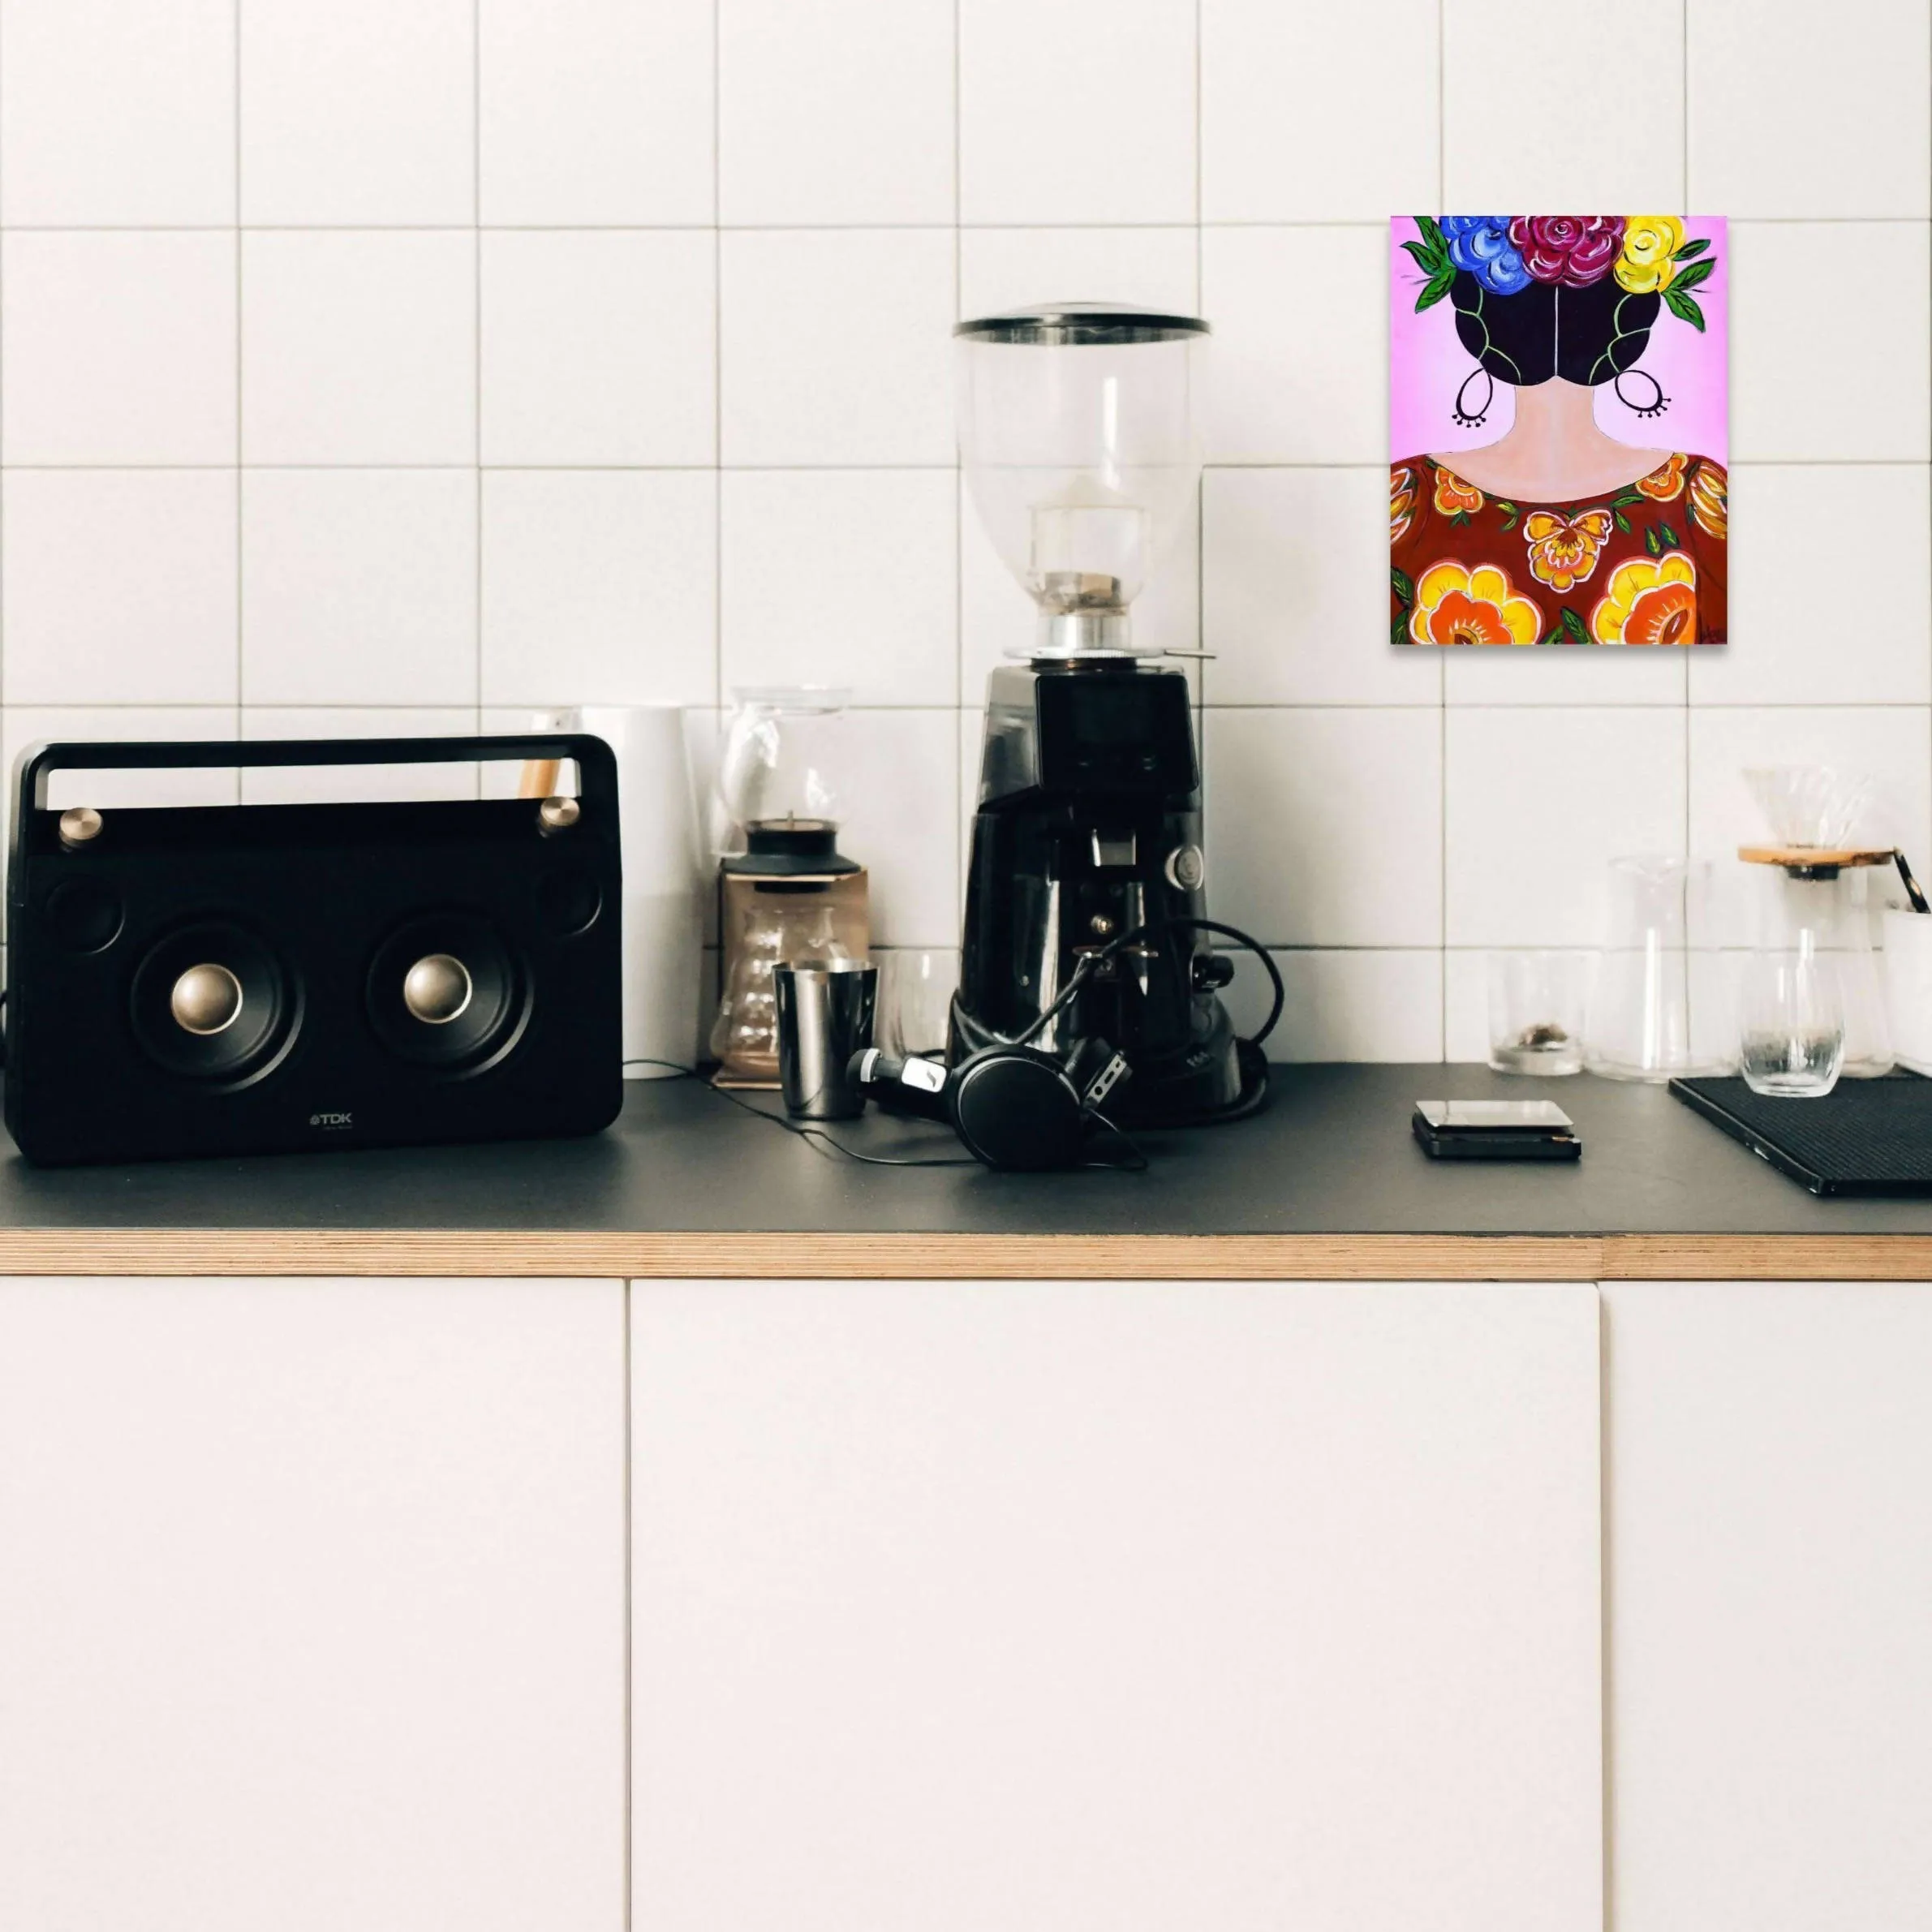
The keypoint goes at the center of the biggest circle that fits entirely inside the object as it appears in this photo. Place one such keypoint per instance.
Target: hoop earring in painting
(1464, 420)
(1659, 402)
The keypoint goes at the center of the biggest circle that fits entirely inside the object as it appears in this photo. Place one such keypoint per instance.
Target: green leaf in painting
(1689, 249)
(1669, 536)
(1623, 523)
(1573, 625)
(1508, 523)
(1403, 587)
(1651, 544)
(1629, 500)
(1684, 308)
(1434, 292)
(1425, 258)
(1433, 235)
(1461, 519)
(1398, 631)
(1697, 272)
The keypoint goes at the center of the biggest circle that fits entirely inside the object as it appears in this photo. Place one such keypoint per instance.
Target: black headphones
(1012, 1106)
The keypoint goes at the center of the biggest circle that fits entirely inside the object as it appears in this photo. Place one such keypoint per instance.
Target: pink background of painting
(1425, 362)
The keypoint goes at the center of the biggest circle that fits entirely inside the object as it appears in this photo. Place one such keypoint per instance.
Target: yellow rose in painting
(1644, 267)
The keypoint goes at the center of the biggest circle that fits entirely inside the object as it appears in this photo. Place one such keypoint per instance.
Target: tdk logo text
(332, 1119)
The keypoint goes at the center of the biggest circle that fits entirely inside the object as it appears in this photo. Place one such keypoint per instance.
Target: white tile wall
(367, 367)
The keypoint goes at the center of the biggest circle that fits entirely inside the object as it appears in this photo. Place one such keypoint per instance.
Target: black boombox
(243, 978)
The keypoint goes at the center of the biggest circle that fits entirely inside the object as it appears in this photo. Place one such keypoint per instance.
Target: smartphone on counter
(1495, 1131)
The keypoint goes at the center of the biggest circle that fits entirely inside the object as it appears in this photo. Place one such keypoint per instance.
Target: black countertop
(1332, 1155)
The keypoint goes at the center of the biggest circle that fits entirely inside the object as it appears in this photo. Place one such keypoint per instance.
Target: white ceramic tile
(312, 785)
(1760, 68)
(843, 576)
(1345, 1005)
(359, 586)
(1000, 620)
(1325, 827)
(1317, 113)
(1300, 372)
(1014, 268)
(1538, 802)
(1531, 120)
(358, 347)
(1816, 617)
(835, 346)
(358, 112)
(120, 348)
(117, 115)
(1466, 1005)
(835, 115)
(1295, 589)
(596, 112)
(599, 588)
(1082, 111)
(1890, 744)
(1830, 321)
(1593, 675)
(598, 347)
(901, 821)
(120, 586)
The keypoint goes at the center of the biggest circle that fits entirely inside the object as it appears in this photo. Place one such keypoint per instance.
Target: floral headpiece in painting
(1572, 296)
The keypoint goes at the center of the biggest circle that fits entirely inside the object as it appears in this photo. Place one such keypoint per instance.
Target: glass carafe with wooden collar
(1814, 907)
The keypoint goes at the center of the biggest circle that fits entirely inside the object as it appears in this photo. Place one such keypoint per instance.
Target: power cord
(822, 1143)
(815, 1137)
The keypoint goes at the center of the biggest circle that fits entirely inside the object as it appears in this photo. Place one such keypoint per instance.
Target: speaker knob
(206, 999)
(437, 989)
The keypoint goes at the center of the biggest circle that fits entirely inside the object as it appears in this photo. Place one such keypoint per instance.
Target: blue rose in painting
(1480, 246)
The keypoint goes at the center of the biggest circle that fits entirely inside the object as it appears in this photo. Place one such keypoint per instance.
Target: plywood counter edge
(137, 1251)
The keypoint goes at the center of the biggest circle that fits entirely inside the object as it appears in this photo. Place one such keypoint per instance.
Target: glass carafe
(1658, 1006)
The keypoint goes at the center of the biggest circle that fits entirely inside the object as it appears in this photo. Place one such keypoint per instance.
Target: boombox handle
(596, 764)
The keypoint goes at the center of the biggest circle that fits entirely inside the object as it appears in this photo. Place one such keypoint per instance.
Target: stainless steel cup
(825, 1016)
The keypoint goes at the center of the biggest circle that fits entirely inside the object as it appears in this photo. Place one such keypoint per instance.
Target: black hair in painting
(1588, 336)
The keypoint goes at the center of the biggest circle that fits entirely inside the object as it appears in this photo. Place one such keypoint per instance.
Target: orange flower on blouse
(1563, 550)
(1666, 482)
(1455, 606)
(1453, 494)
(1644, 563)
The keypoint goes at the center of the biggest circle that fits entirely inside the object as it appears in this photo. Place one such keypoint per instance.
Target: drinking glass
(1792, 1040)
(1536, 1004)
(915, 1000)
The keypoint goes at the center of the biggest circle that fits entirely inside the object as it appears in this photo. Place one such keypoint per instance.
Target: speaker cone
(212, 1002)
(446, 991)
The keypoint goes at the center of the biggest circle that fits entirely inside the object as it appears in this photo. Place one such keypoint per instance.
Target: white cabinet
(311, 1603)
(1030, 1606)
(1769, 1462)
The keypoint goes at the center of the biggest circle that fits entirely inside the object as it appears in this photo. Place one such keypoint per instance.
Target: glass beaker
(784, 758)
(1656, 1010)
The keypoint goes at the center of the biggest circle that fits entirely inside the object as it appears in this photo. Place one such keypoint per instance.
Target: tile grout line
(717, 365)
(1442, 682)
(241, 639)
(476, 345)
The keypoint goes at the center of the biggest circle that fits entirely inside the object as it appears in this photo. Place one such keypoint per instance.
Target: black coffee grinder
(1086, 917)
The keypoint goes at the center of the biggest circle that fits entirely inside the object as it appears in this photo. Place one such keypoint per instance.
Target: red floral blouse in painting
(1642, 565)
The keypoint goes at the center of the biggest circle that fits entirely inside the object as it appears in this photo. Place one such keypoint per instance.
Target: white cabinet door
(1049, 1606)
(311, 1603)
(1769, 1464)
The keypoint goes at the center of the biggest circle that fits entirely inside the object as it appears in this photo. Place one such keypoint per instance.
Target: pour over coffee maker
(790, 896)
(1079, 432)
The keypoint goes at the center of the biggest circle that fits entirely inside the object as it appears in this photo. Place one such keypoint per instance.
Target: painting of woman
(1555, 530)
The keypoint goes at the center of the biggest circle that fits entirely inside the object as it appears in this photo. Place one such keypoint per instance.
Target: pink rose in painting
(1575, 250)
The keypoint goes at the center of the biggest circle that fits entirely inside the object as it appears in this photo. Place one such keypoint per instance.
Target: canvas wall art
(1558, 413)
